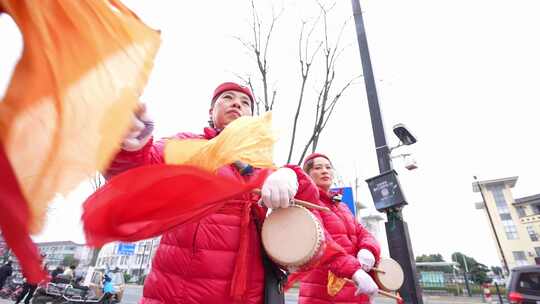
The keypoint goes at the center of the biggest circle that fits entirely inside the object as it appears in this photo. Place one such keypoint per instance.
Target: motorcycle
(51, 292)
(12, 289)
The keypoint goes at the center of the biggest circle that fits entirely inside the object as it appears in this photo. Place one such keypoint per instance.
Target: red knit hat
(315, 155)
(232, 86)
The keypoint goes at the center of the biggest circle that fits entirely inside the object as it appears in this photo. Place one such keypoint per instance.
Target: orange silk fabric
(69, 102)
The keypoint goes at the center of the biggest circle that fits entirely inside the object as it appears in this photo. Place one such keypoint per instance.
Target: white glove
(141, 131)
(366, 258)
(364, 283)
(279, 188)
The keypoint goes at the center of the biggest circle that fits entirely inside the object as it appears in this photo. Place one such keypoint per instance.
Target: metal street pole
(397, 230)
(466, 276)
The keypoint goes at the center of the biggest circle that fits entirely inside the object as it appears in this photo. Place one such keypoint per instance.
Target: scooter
(49, 293)
(84, 296)
(12, 289)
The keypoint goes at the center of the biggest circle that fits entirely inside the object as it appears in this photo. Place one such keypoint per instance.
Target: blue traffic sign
(126, 248)
(347, 197)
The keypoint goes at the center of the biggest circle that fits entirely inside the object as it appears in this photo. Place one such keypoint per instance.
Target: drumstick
(300, 202)
(390, 295)
(381, 292)
(310, 205)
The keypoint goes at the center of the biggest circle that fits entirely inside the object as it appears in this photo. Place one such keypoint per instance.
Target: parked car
(524, 285)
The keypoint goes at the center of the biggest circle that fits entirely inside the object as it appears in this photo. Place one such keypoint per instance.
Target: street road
(133, 294)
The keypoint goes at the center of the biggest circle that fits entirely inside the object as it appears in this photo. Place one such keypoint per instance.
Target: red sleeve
(307, 190)
(367, 241)
(335, 257)
(150, 154)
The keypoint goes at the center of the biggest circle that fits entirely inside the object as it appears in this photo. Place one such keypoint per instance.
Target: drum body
(390, 275)
(293, 238)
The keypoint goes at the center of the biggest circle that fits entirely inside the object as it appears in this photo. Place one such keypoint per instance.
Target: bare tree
(258, 47)
(306, 61)
(97, 180)
(310, 45)
(327, 96)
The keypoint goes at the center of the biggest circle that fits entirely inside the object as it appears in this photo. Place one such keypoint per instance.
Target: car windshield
(529, 283)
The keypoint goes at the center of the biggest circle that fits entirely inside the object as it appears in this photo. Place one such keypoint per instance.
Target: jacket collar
(329, 197)
(210, 133)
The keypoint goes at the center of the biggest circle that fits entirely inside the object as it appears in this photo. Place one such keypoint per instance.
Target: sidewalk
(453, 299)
(292, 297)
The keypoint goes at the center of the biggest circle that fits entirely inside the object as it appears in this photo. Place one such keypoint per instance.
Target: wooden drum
(293, 237)
(388, 275)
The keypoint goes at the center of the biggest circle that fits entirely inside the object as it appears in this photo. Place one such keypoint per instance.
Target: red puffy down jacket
(350, 235)
(195, 263)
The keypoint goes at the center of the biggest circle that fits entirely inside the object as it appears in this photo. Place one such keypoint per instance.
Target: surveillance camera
(404, 134)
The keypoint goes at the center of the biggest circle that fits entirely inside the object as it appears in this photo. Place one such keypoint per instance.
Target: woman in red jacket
(219, 258)
(348, 233)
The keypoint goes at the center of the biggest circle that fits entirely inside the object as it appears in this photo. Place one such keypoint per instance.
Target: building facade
(134, 259)
(514, 223)
(62, 252)
(372, 223)
(57, 254)
(528, 211)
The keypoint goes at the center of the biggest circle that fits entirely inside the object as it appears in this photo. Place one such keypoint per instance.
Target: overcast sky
(462, 75)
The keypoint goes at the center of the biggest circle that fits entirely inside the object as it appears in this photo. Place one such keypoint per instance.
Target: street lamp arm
(395, 147)
(401, 155)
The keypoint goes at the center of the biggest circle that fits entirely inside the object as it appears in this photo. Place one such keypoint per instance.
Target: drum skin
(391, 276)
(292, 236)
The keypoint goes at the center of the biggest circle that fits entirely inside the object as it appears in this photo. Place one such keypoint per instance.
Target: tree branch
(335, 100)
(273, 99)
(249, 83)
(305, 65)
